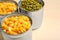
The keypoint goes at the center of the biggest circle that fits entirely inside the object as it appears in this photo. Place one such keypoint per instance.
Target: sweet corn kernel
(16, 25)
(7, 7)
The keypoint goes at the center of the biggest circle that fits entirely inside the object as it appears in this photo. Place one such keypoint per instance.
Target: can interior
(40, 1)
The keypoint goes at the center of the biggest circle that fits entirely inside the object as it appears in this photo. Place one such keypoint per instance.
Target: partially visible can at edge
(36, 16)
(2, 16)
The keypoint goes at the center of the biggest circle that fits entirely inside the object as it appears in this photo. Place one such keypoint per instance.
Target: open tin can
(35, 15)
(3, 15)
(24, 36)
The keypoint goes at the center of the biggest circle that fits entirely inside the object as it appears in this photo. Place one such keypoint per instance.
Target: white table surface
(50, 28)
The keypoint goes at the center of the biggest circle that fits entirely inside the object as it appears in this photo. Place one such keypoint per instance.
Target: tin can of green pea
(36, 15)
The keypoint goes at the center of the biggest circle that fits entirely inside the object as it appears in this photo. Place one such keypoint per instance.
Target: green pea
(31, 5)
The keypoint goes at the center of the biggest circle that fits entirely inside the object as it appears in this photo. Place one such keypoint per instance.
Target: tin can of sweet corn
(7, 8)
(36, 16)
(24, 36)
